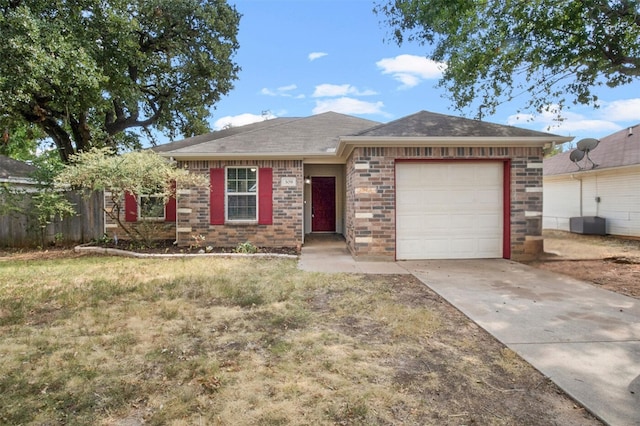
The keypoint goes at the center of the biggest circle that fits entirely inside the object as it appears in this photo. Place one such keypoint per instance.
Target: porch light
(307, 180)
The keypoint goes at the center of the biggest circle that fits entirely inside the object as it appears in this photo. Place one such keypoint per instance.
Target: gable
(429, 124)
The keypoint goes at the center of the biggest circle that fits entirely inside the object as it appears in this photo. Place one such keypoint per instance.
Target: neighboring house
(610, 190)
(16, 173)
(426, 186)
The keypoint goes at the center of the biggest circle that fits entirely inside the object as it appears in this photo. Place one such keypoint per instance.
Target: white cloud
(410, 70)
(280, 91)
(316, 55)
(346, 105)
(334, 90)
(622, 110)
(240, 120)
(287, 88)
(570, 123)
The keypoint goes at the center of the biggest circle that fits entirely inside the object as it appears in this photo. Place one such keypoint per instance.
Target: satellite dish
(583, 147)
(588, 144)
(576, 155)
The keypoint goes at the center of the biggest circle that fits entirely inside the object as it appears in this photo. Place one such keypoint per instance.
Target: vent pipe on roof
(630, 132)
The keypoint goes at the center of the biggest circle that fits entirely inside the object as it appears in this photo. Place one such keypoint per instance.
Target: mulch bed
(168, 247)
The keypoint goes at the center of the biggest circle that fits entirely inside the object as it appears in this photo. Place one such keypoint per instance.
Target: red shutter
(265, 196)
(130, 207)
(170, 208)
(216, 196)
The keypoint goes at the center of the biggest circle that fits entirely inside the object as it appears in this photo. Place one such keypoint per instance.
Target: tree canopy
(549, 51)
(89, 72)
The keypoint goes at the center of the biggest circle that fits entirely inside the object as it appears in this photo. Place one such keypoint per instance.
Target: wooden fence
(17, 231)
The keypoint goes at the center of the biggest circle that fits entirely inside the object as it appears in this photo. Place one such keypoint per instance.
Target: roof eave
(329, 157)
(579, 172)
(17, 180)
(347, 143)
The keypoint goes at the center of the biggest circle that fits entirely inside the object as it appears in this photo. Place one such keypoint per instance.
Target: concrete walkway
(329, 253)
(585, 339)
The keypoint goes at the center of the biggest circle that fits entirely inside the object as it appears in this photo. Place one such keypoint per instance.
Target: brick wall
(370, 209)
(285, 231)
(151, 230)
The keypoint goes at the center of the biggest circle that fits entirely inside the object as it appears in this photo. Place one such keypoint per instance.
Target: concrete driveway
(585, 339)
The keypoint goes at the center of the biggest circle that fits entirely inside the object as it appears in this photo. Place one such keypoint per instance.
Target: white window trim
(151, 218)
(226, 196)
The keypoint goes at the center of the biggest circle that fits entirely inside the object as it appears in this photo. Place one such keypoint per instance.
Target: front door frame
(323, 204)
(336, 170)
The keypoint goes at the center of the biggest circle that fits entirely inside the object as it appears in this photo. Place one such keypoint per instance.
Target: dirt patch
(610, 262)
(8, 254)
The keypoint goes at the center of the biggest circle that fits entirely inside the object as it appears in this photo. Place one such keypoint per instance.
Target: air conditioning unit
(589, 225)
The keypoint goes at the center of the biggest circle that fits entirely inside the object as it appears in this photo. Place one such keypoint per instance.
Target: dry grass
(112, 341)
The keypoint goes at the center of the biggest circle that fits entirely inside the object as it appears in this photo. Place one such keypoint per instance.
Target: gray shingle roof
(429, 124)
(220, 134)
(616, 150)
(10, 168)
(317, 134)
(326, 134)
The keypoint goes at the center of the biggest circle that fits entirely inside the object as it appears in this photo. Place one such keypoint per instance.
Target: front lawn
(101, 340)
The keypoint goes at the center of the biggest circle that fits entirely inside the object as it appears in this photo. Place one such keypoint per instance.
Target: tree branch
(121, 122)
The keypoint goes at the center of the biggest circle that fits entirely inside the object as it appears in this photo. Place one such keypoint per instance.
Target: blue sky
(304, 57)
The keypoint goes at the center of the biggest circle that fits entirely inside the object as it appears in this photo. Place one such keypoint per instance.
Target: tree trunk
(81, 132)
(60, 137)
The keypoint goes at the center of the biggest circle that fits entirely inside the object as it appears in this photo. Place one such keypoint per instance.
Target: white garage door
(449, 210)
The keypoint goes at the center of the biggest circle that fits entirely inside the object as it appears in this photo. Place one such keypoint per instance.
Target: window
(234, 192)
(241, 194)
(151, 207)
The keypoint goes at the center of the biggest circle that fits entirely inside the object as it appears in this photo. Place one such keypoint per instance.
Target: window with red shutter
(170, 207)
(216, 197)
(265, 196)
(146, 207)
(130, 207)
(241, 194)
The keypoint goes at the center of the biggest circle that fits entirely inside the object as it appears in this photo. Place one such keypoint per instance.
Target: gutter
(17, 180)
(329, 157)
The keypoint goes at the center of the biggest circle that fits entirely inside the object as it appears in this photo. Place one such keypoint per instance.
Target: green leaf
(542, 51)
(89, 71)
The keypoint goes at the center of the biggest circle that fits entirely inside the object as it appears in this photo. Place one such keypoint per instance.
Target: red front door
(323, 204)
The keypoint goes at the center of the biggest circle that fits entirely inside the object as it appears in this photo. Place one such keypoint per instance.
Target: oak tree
(548, 51)
(94, 73)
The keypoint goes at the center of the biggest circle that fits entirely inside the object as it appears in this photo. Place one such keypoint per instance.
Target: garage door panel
(487, 175)
(489, 244)
(449, 210)
(487, 222)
